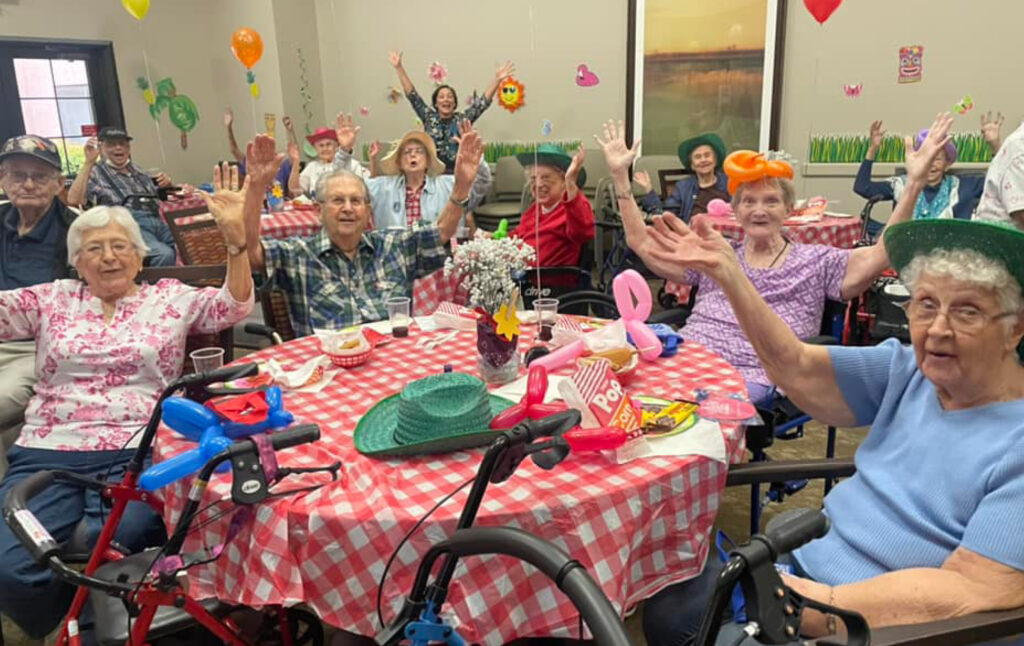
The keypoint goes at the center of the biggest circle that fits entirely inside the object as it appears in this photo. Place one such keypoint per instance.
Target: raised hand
(229, 117)
(287, 122)
(346, 129)
(643, 180)
(918, 161)
(671, 242)
(573, 172)
(991, 127)
(262, 162)
(467, 161)
(92, 150)
(617, 154)
(374, 149)
(395, 58)
(226, 203)
(877, 134)
(293, 154)
(504, 71)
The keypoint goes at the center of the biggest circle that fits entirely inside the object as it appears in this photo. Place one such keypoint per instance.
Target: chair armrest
(258, 329)
(979, 627)
(757, 472)
(821, 339)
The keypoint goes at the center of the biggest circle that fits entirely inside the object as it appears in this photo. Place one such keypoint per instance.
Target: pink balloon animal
(532, 405)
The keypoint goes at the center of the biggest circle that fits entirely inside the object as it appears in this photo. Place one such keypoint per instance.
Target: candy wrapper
(732, 409)
(450, 315)
(602, 401)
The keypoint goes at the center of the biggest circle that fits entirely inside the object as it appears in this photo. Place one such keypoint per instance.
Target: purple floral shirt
(796, 291)
(98, 381)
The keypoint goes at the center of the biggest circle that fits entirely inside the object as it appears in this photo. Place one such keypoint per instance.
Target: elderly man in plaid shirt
(344, 274)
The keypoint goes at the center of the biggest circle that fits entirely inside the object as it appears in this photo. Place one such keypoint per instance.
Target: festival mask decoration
(911, 64)
(853, 91)
(247, 46)
(586, 78)
(511, 94)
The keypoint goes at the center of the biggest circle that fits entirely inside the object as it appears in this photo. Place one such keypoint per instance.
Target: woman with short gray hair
(105, 349)
(931, 526)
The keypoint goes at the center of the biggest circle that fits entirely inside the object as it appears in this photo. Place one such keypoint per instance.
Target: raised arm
(867, 263)
(619, 158)
(347, 130)
(991, 130)
(229, 120)
(862, 184)
(803, 371)
(227, 205)
(289, 129)
(261, 163)
(395, 58)
(294, 179)
(78, 194)
(504, 71)
(467, 165)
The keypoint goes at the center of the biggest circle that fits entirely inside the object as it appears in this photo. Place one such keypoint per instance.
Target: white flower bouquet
(486, 268)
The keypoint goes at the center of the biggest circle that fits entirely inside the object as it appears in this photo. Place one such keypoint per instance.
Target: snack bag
(598, 395)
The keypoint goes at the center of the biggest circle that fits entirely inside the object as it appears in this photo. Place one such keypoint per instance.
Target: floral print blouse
(98, 381)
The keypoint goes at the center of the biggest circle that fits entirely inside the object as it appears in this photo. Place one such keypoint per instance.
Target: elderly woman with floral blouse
(105, 349)
(795, 279)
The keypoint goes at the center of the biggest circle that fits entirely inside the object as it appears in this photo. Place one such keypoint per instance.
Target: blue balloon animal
(213, 432)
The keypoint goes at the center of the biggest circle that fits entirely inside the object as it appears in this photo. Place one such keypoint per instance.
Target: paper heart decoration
(726, 409)
(822, 9)
(586, 78)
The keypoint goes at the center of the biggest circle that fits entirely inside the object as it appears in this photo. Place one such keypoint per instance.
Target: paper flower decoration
(394, 94)
(277, 191)
(437, 73)
(364, 111)
(507, 322)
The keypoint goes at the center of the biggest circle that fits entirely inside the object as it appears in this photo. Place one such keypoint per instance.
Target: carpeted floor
(733, 517)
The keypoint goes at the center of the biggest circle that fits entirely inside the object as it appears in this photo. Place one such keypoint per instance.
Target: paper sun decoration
(511, 94)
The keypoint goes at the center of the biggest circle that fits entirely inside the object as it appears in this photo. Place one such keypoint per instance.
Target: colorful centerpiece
(486, 268)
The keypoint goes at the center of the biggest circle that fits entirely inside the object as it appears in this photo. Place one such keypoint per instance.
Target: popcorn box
(598, 395)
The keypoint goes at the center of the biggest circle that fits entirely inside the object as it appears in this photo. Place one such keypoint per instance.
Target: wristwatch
(234, 250)
(463, 204)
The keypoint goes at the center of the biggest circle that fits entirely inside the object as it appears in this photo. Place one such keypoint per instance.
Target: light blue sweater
(928, 480)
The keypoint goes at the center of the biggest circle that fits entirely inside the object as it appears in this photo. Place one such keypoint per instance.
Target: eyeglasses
(19, 177)
(409, 151)
(340, 201)
(119, 247)
(961, 318)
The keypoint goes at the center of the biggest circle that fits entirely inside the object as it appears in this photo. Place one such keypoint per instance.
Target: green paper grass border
(851, 149)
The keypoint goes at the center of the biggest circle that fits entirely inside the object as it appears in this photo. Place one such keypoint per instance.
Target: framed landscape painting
(696, 66)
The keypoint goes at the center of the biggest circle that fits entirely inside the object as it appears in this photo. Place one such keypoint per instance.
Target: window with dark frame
(61, 90)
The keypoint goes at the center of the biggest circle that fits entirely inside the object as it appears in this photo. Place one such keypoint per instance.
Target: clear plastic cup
(398, 314)
(547, 316)
(207, 359)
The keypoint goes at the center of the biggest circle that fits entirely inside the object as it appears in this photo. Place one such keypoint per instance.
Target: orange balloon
(247, 46)
(745, 166)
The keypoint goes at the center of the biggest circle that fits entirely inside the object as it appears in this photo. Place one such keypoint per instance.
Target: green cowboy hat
(707, 139)
(1003, 243)
(551, 155)
(436, 414)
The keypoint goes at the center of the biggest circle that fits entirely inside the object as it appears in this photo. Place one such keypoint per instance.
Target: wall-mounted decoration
(511, 94)
(911, 64)
(585, 77)
(181, 110)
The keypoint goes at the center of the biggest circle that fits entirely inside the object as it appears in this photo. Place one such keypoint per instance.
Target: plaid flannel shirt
(109, 187)
(327, 290)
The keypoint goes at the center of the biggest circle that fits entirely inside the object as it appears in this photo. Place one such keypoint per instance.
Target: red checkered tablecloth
(290, 223)
(432, 290)
(836, 232)
(637, 527)
(181, 202)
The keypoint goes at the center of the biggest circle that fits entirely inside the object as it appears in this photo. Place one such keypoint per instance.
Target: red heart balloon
(822, 9)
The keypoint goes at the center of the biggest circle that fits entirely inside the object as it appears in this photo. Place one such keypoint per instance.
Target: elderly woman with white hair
(105, 349)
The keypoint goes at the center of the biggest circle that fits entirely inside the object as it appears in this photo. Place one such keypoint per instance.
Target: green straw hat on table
(437, 414)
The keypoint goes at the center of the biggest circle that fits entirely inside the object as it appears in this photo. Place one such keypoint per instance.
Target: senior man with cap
(33, 249)
(411, 187)
(344, 274)
(115, 178)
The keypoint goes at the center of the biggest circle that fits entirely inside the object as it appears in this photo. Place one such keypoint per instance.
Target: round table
(836, 232)
(637, 527)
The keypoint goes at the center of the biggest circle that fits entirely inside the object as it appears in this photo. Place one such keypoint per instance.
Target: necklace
(785, 244)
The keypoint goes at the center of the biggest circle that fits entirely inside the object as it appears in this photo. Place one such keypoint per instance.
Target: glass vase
(497, 358)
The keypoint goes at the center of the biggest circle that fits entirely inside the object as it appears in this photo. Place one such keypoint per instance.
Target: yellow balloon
(254, 90)
(137, 8)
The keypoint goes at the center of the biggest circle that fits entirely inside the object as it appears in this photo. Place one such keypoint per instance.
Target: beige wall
(967, 50)
(295, 27)
(188, 40)
(545, 39)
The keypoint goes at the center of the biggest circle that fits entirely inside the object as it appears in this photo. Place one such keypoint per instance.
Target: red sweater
(563, 232)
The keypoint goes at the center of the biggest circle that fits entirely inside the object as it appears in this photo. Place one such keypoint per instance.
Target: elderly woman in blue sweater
(931, 526)
(946, 195)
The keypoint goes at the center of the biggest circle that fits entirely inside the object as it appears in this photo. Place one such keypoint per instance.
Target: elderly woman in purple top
(795, 279)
